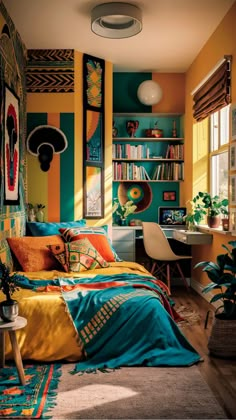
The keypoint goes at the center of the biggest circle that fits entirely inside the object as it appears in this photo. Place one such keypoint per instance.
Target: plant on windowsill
(9, 307)
(222, 273)
(123, 210)
(203, 204)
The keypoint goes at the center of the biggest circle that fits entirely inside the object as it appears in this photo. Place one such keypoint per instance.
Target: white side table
(11, 328)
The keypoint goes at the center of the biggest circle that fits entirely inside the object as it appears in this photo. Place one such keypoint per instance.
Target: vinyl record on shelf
(139, 192)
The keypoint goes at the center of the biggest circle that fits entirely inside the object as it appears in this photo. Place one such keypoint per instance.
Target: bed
(83, 304)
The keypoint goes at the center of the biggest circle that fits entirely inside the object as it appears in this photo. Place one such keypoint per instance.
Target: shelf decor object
(93, 137)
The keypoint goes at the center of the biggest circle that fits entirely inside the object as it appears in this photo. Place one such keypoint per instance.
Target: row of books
(172, 171)
(128, 151)
(175, 151)
(169, 171)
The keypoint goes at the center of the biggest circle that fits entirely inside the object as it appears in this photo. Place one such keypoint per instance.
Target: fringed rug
(35, 398)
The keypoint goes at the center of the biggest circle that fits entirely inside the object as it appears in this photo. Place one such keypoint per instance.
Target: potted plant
(9, 307)
(123, 210)
(203, 204)
(222, 273)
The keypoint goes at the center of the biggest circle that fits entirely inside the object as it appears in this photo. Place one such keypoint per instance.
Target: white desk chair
(157, 247)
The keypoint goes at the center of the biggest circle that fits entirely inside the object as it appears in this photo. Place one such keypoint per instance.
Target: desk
(125, 239)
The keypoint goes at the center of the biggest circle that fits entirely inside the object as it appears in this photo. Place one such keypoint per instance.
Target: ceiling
(174, 31)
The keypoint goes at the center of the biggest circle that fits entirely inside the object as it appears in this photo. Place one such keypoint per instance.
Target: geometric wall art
(93, 137)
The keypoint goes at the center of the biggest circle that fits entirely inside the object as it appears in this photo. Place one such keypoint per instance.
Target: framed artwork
(169, 196)
(233, 156)
(94, 193)
(233, 189)
(11, 147)
(93, 136)
(233, 122)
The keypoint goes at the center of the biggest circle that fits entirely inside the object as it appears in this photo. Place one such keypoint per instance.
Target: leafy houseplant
(222, 274)
(9, 307)
(203, 204)
(123, 210)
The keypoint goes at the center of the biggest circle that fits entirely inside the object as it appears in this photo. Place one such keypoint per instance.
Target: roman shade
(214, 93)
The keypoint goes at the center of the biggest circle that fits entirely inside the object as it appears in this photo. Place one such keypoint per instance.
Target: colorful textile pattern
(94, 82)
(35, 398)
(98, 238)
(81, 256)
(59, 253)
(5, 254)
(126, 321)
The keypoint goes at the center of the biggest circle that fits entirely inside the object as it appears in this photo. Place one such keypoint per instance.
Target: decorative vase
(114, 130)
(213, 221)
(40, 216)
(31, 216)
(9, 310)
(131, 127)
(123, 222)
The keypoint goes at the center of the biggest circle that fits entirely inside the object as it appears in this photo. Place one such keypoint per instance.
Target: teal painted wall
(125, 86)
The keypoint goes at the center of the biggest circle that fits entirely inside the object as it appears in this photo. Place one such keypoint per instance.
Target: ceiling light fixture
(116, 20)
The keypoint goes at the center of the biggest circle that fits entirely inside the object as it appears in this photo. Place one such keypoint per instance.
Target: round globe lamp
(149, 92)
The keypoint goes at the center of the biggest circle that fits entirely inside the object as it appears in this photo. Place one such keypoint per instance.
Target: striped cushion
(97, 236)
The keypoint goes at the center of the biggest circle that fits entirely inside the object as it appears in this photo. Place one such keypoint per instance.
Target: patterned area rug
(190, 317)
(35, 398)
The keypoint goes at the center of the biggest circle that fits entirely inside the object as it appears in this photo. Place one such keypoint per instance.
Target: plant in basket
(222, 273)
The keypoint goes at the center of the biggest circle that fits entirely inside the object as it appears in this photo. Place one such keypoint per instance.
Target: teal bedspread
(121, 321)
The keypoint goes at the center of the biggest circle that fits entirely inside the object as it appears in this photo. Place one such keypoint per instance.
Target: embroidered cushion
(32, 252)
(98, 238)
(81, 256)
(51, 228)
(59, 253)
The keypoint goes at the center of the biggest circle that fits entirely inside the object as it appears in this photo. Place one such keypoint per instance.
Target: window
(219, 142)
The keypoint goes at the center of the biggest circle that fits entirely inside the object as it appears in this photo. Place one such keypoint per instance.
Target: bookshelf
(148, 159)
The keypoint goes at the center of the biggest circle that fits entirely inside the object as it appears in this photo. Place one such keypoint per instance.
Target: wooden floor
(220, 374)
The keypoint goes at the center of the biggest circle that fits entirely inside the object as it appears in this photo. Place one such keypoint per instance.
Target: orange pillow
(97, 237)
(33, 254)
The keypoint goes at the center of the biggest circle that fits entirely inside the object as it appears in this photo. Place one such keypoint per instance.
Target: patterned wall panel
(50, 71)
(12, 66)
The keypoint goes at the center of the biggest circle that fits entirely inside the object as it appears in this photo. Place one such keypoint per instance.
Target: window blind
(214, 93)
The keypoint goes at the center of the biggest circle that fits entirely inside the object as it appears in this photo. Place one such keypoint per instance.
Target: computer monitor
(172, 216)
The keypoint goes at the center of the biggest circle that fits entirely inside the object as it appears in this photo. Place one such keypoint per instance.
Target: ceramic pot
(9, 310)
(213, 221)
(40, 216)
(123, 222)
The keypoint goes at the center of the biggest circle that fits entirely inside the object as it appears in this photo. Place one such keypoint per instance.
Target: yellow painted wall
(52, 104)
(222, 42)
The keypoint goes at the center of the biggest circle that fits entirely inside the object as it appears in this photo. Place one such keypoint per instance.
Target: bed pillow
(51, 228)
(81, 256)
(59, 252)
(33, 254)
(98, 238)
(5, 254)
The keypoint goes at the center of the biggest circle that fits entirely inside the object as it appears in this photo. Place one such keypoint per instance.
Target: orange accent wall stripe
(54, 177)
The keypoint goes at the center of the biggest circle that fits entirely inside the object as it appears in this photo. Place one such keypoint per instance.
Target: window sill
(205, 228)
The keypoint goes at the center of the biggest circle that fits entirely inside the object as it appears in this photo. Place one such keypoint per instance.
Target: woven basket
(222, 341)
